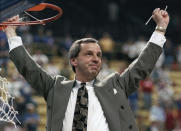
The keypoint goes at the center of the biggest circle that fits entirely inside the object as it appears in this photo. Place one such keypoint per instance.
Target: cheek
(83, 63)
(100, 64)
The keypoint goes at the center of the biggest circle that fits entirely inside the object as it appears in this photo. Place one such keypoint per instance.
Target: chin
(94, 73)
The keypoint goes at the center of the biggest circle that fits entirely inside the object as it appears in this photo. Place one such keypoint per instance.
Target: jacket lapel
(110, 106)
(61, 97)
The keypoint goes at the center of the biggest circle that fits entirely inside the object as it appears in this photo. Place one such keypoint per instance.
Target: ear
(73, 62)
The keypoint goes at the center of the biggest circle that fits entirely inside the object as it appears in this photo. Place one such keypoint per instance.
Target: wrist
(10, 33)
(160, 29)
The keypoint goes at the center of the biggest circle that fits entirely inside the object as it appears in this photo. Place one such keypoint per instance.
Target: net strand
(7, 111)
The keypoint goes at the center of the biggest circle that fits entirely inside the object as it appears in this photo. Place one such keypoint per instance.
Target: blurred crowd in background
(122, 36)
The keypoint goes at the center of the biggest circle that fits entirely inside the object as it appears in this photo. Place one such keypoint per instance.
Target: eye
(89, 53)
(99, 55)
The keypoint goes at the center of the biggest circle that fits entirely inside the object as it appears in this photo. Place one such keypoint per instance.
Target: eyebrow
(92, 51)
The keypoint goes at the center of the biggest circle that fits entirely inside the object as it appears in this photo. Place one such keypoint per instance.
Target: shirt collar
(90, 83)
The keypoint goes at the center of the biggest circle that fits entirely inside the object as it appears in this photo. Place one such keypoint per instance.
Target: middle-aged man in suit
(88, 104)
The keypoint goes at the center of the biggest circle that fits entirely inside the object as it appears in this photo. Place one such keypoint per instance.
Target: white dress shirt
(96, 119)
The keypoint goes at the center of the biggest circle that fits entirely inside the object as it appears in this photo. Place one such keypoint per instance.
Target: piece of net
(7, 111)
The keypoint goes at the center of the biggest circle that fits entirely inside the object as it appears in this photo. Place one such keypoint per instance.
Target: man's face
(88, 62)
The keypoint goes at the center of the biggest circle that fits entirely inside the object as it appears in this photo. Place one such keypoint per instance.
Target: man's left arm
(146, 61)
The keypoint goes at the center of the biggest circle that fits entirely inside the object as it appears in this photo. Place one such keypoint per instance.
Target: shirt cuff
(158, 39)
(14, 42)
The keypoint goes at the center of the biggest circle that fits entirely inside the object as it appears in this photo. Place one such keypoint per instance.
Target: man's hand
(11, 30)
(161, 18)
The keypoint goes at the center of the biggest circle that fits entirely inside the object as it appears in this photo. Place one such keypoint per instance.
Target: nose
(96, 59)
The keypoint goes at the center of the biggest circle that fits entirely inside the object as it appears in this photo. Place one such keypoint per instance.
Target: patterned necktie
(81, 110)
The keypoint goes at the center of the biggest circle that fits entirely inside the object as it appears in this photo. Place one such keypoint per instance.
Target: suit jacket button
(122, 107)
(49, 107)
(130, 126)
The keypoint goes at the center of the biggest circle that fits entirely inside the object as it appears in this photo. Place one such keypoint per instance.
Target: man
(98, 105)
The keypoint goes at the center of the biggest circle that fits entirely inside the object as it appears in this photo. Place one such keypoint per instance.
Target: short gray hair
(76, 48)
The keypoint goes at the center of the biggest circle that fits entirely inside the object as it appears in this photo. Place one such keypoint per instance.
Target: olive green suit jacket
(57, 90)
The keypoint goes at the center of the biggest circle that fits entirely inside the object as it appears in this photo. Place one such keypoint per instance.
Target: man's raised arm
(146, 61)
(31, 71)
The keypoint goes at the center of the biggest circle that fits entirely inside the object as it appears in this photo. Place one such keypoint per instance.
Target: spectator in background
(44, 37)
(147, 88)
(27, 37)
(107, 45)
(66, 71)
(140, 121)
(178, 105)
(4, 53)
(64, 45)
(31, 118)
(40, 58)
(126, 49)
(178, 55)
(52, 68)
(105, 69)
(132, 49)
(161, 74)
(178, 126)
(67, 42)
(48, 38)
(165, 93)
(170, 119)
(6, 126)
(169, 53)
(140, 44)
(157, 117)
(39, 37)
(19, 87)
(133, 101)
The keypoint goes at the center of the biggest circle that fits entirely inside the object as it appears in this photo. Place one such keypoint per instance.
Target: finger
(164, 13)
(14, 18)
(156, 11)
(10, 19)
(17, 17)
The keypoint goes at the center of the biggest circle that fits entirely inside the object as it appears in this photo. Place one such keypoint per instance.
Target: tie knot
(83, 84)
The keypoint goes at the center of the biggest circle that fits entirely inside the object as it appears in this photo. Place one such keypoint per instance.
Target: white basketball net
(7, 111)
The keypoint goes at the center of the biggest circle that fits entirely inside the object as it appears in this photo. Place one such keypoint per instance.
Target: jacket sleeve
(139, 69)
(31, 71)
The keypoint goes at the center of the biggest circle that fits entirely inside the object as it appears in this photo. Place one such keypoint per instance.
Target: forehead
(90, 47)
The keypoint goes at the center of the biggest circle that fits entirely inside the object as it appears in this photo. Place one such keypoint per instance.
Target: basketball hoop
(37, 8)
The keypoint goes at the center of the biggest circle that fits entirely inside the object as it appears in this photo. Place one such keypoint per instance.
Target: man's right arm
(31, 71)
